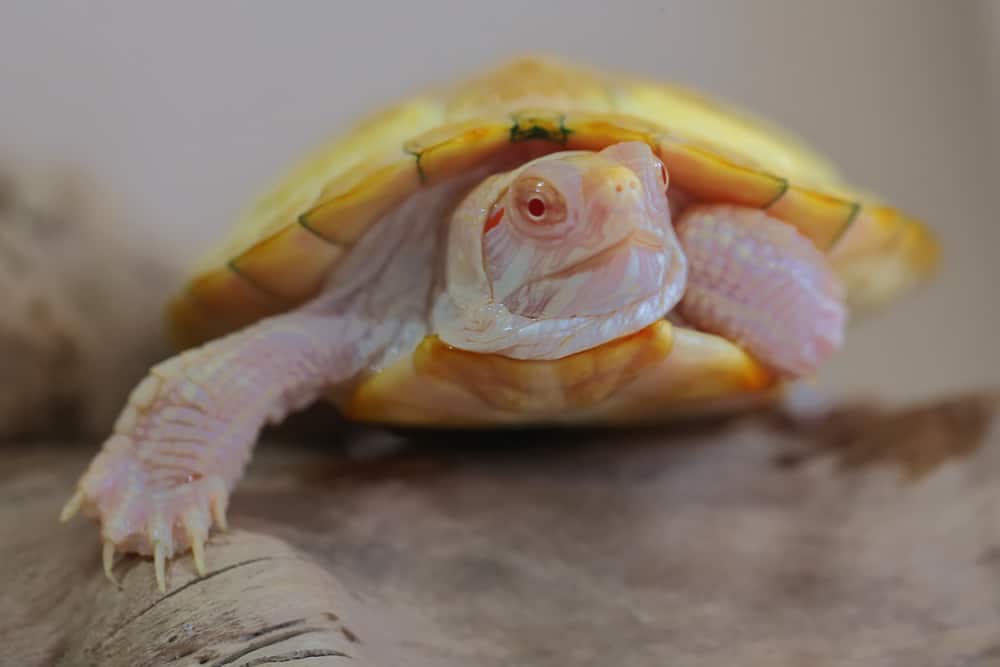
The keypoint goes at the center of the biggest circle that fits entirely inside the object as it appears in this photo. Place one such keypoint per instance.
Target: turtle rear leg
(180, 445)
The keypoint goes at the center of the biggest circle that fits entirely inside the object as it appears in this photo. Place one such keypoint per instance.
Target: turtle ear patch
(493, 220)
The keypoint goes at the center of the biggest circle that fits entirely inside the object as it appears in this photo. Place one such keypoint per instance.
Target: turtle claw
(198, 553)
(108, 560)
(197, 532)
(72, 506)
(219, 503)
(219, 514)
(160, 567)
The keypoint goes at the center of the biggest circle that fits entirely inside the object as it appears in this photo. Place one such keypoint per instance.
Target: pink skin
(183, 440)
(582, 236)
(599, 243)
(757, 281)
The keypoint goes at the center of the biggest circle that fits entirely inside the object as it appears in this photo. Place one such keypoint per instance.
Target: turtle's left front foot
(183, 440)
(163, 479)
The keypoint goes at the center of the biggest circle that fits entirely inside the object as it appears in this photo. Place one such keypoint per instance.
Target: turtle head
(579, 234)
(576, 244)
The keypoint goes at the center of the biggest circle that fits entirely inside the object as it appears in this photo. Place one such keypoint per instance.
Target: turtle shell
(284, 247)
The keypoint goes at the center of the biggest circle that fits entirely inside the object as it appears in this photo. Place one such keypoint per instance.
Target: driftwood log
(865, 537)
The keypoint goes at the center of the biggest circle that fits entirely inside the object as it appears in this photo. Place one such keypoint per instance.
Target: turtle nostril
(631, 183)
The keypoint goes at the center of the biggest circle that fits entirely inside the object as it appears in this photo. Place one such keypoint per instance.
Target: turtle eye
(536, 208)
(663, 174)
(538, 201)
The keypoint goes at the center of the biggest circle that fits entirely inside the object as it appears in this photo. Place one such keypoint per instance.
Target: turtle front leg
(181, 443)
(757, 281)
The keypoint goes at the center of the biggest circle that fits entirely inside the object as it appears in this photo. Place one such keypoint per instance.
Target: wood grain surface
(865, 537)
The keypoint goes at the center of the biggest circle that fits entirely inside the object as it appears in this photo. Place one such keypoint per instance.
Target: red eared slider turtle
(542, 244)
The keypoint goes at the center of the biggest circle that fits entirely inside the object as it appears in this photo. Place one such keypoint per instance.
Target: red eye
(536, 207)
(538, 203)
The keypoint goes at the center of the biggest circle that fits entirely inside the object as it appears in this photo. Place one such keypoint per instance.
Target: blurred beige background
(186, 109)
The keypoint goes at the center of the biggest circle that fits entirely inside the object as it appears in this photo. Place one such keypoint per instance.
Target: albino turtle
(544, 243)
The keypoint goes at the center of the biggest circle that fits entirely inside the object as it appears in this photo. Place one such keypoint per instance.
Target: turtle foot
(162, 481)
(138, 516)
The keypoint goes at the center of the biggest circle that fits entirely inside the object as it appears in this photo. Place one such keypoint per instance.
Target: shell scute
(455, 147)
(820, 217)
(350, 204)
(312, 255)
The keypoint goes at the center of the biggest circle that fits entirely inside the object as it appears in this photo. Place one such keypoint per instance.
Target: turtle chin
(611, 280)
(611, 294)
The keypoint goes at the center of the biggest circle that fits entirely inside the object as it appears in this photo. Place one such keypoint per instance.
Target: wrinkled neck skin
(564, 253)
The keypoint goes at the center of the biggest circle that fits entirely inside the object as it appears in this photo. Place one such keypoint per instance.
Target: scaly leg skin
(181, 443)
(756, 280)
